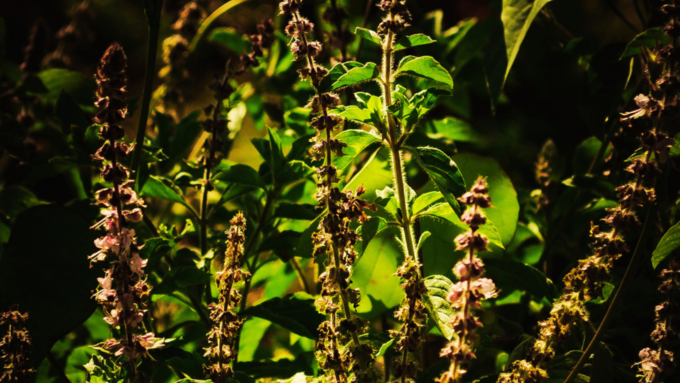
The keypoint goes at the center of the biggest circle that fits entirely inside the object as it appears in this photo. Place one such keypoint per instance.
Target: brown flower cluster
(337, 355)
(586, 281)
(655, 362)
(15, 348)
(398, 16)
(467, 294)
(123, 290)
(176, 48)
(226, 323)
(263, 39)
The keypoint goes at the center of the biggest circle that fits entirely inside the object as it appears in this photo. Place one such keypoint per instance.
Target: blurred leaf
(69, 112)
(369, 35)
(229, 38)
(444, 173)
(649, 38)
(180, 278)
(335, 73)
(154, 249)
(292, 171)
(240, 174)
(585, 155)
(295, 313)
(668, 243)
(384, 348)
(281, 243)
(155, 188)
(295, 211)
(56, 80)
(373, 272)
(425, 67)
(445, 212)
(425, 200)
(437, 304)
(251, 333)
(516, 18)
(504, 211)
(412, 41)
(48, 243)
(176, 141)
(297, 119)
(282, 368)
(374, 175)
(276, 152)
(455, 130)
(357, 141)
(15, 199)
(305, 247)
(510, 274)
(357, 75)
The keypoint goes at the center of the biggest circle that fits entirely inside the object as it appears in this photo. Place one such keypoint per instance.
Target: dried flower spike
(467, 294)
(226, 323)
(123, 290)
(15, 348)
(339, 350)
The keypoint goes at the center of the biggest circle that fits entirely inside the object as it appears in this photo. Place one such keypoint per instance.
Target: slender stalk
(301, 275)
(153, 15)
(614, 303)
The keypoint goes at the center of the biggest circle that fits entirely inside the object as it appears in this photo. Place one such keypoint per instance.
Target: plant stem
(208, 21)
(153, 15)
(301, 275)
(615, 301)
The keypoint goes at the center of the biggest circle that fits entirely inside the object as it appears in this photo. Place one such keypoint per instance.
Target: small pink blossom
(485, 287)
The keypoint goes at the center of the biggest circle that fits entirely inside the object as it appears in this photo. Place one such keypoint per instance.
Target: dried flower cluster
(467, 294)
(77, 29)
(263, 39)
(586, 281)
(654, 362)
(398, 16)
(15, 348)
(226, 323)
(334, 237)
(175, 50)
(123, 290)
(544, 170)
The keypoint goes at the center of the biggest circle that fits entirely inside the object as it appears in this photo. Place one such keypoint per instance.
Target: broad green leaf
(444, 173)
(374, 175)
(154, 249)
(240, 174)
(81, 87)
(292, 171)
(423, 237)
(425, 67)
(504, 211)
(373, 272)
(69, 112)
(356, 114)
(180, 278)
(515, 20)
(455, 130)
(369, 230)
(281, 368)
(585, 155)
(425, 200)
(44, 269)
(335, 73)
(15, 199)
(510, 274)
(357, 75)
(276, 159)
(177, 140)
(229, 38)
(297, 119)
(155, 188)
(281, 243)
(668, 243)
(251, 334)
(649, 38)
(295, 313)
(369, 35)
(445, 212)
(412, 41)
(305, 212)
(305, 247)
(438, 306)
(356, 141)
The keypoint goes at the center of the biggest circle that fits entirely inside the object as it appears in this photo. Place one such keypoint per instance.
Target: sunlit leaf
(425, 67)
(668, 243)
(437, 304)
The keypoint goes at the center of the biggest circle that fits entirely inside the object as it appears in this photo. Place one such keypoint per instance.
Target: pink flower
(485, 287)
(137, 264)
(456, 293)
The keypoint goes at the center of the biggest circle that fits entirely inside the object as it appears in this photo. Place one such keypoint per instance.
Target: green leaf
(81, 87)
(357, 75)
(412, 41)
(438, 307)
(69, 112)
(180, 278)
(305, 247)
(426, 200)
(295, 211)
(231, 39)
(424, 67)
(649, 38)
(444, 173)
(281, 243)
(373, 272)
(44, 269)
(510, 274)
(292, 171)
(668, 243)
(276, 159)
(15, 199)
(374, 175)
(335, 73)
(155, 188)
(176, 140)
(369, 35)
(240, 174)
(504, 211)
(385, 346)
(357, 141)
(295, 313)
(445, 212)
(282, 368)
(455, 130)
(356, 114)
(585, 155)
(424, 236)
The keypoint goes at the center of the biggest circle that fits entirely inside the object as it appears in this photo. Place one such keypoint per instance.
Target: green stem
(152, 10)
(615, 301)
(208, 21)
